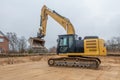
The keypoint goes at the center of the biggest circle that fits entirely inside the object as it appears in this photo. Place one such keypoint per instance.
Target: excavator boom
(63, 21)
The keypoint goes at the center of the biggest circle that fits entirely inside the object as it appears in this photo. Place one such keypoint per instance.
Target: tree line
(113, 45)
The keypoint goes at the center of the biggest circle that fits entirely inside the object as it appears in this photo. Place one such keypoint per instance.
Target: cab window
(63, 41)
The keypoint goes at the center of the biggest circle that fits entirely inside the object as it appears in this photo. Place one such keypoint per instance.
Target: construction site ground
(36, 68)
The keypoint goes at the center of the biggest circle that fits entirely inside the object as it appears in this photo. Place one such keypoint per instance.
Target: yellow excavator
(74, 50)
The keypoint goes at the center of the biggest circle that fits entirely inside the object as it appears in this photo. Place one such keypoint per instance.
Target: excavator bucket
(37, 45)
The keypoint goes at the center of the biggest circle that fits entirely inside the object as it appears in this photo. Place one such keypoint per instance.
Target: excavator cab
(66, 43)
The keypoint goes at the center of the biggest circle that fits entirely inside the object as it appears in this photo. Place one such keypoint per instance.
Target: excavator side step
(82, 62)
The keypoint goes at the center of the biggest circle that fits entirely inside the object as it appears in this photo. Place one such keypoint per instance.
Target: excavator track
(82, 62)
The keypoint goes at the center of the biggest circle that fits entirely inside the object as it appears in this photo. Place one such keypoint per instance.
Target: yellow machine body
(92, 47)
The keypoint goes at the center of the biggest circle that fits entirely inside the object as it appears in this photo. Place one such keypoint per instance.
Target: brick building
(4, 43)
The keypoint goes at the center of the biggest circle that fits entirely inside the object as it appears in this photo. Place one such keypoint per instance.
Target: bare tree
(113, 44)
(22, 44)
(13, 41)
(118, 43)
(16, 44)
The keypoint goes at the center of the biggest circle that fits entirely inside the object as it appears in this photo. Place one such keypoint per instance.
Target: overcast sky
(89, 17)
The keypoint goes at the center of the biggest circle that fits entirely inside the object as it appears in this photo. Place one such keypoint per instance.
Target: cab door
(63, 44)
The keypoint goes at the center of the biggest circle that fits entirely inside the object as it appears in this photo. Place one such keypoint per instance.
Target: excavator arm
(64, 22)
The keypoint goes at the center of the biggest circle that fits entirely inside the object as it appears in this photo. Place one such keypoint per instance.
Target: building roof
(1, 33)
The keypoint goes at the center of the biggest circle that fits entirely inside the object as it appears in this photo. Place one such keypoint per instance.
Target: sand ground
(39, 70)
